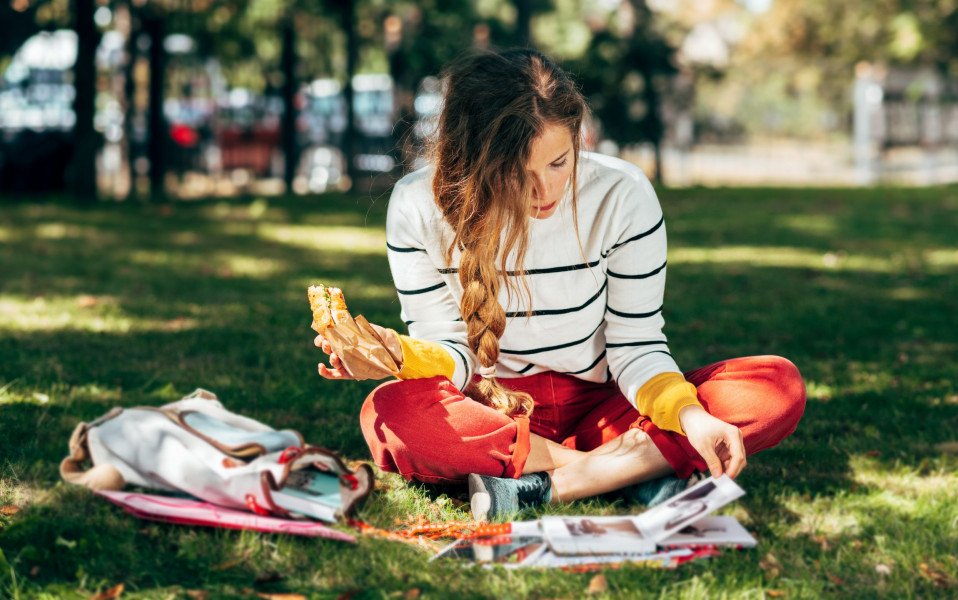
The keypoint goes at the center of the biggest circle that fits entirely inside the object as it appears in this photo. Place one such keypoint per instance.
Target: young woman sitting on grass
(531, 277)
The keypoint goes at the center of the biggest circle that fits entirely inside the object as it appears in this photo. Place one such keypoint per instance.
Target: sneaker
(494, 497)
(657, 491)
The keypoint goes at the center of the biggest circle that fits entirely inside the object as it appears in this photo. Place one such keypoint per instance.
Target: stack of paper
(673, 532)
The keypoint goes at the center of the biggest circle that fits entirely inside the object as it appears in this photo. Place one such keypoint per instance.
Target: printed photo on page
(687, 507)
(506, 550)
(711, 531)
(595, 535)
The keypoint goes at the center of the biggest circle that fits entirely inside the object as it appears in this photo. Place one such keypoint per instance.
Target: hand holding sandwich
(357, 349)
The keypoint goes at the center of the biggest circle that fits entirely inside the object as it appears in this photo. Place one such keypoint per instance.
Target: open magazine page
(505, 550)
(687, 507)
(665, 559)
(596, 535)
(711, 531)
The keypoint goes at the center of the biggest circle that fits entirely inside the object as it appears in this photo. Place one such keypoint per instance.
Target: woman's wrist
(688, 414)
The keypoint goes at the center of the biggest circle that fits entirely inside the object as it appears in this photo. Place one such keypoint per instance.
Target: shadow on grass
(196, 295)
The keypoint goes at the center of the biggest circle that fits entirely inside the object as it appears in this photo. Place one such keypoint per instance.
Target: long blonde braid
(495, 105)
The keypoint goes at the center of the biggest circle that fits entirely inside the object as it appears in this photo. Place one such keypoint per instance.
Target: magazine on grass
(311, 493)
(639, 534)
(689, 506)
(596, 535)
(711, 531)
(506, 550)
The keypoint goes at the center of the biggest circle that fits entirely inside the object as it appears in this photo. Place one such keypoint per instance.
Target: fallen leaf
(822, 541)
(268, 596)
(110, 594)
(883, 569)
(775, 593)
(177, 324)
(412, 594)
(9, 510)
(835, 579)
(934, 574)
(229, 564)
(198, 594)
(598, 585)
(873, 453)
(34, 571)
(87, 301)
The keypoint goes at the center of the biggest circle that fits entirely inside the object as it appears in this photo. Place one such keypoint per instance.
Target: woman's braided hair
(495, 105)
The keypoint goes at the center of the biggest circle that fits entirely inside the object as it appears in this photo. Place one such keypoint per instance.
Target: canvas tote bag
(196, 446)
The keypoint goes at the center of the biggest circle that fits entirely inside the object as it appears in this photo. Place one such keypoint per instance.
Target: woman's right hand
(336, 368)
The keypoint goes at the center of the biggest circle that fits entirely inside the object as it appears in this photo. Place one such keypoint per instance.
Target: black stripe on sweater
(633, 315)
(639, 276)
(560, 269)
(639, 236)
(556, 347)
(525, 369)
(625, 344)
(465, 364)
(421, 290)
(411, 322)
(399, 249)
(559, 311)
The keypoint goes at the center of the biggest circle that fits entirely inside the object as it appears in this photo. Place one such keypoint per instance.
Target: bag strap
(99, 477)
(355, 486)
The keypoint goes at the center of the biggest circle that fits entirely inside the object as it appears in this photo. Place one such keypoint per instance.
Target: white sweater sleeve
(427, 306)
(636, 346)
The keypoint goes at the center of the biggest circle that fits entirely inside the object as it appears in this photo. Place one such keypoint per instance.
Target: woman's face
(550, 166)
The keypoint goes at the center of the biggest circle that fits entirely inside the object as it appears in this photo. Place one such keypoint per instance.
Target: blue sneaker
(657, 491)
(492, 498)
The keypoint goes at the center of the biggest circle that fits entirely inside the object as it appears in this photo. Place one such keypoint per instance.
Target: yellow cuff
(422, 359)
(663, 396)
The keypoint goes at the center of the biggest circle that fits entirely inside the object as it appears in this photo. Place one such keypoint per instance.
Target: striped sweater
(596, 310)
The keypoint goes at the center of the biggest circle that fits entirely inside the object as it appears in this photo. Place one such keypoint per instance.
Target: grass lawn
(129, 305)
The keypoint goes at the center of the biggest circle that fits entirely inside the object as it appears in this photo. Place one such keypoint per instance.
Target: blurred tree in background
(785, 70)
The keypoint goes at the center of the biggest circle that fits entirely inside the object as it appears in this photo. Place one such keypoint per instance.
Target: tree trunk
(157, 130)
(290, 112)
(352, 57)
(85, 142)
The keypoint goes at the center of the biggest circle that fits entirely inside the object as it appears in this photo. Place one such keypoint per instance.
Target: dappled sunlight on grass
(818, 224)
(61, 231)
(78, 313)
(356, 240)
(130, 305)
(221, 264)
(942, 257)
(771, 256)
(907, 483)
(821, 392)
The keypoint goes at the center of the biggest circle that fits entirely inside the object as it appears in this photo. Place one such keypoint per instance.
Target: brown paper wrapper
(363, 351)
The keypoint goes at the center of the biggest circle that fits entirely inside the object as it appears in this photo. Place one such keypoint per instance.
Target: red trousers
(425, 429)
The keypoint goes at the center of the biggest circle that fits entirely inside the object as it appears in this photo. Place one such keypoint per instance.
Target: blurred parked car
(247, 132)
(36, 110)
(324, 121)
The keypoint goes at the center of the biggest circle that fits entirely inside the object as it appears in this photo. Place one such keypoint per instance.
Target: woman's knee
(789, 404)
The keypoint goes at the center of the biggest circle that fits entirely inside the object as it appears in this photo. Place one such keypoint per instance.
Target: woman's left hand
(718, 442)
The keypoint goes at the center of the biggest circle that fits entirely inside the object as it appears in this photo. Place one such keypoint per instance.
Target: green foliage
(624, 72)
(130, 304)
